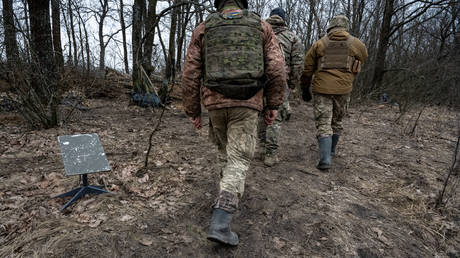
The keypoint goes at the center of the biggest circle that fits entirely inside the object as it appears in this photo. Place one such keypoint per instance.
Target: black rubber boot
(324, 152)
(220, 230)
(335, 140)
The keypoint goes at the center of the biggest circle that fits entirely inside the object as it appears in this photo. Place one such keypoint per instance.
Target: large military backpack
(233, 54)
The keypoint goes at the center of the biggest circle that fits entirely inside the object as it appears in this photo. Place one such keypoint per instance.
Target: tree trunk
(162, 43)
(170, 62)
(308, 42)
(180, 23)
(182, 33)
(27, 32)
(56, 16)
(85, 49)
(72, 30)
(11, 44)
(358, 11)
(138, 8)
(123, 34)
(44, 82)
(102, 15)
(69, 37)
(82, 49)
(383, 45)
(149, 38)
(88, 51)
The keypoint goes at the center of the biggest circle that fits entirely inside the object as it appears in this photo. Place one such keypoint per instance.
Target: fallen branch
(157, 127)
(440, 198)
(412, 133)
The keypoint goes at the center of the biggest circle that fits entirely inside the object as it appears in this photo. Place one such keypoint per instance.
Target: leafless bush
(37, 94)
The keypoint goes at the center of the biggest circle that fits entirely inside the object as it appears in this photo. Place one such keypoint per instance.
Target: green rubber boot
(325, 144)
(271, 159)
(335, 140)
(220, 230)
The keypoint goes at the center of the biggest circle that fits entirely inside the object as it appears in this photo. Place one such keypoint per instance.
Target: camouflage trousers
(234, 131)
(329, 111)
(270, 134)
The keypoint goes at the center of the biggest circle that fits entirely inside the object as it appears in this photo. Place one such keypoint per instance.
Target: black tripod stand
(79, 192)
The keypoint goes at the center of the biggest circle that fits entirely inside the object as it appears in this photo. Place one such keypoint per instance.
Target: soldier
(334, 60)
(233, 54)
(293, 57)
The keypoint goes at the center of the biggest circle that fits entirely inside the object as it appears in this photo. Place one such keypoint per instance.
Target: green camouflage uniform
(293, 57)
(228, 60)
(329, 111)
(234, 131)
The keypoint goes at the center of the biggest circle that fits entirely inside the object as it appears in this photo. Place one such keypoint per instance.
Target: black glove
(306, 95)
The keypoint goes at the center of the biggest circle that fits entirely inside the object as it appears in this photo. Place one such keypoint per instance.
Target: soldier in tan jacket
(233, 60)
(330, 67)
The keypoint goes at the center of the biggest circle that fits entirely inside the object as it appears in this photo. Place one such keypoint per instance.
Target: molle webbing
(336, 54)
(233, 54)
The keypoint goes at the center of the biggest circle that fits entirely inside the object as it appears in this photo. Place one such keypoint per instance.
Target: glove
(306, 95)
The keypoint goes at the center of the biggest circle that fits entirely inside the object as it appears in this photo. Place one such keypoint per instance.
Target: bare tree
(72, 30)
(138, 15)
(44, 78)
(12, 53)
(170, 59)
(100, 15)
(123, 34)
(388, 29)
(150, 36)
(185, 16)
(56, 17)
(86, 48)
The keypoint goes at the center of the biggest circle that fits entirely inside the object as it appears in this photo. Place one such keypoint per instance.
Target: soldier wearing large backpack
(293, 57)
(232, 61)
(333, 62)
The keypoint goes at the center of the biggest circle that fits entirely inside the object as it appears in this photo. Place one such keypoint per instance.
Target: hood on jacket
(338, 34)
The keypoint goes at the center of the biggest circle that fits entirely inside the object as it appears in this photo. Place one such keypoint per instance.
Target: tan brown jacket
(331, 81)
(192, 75)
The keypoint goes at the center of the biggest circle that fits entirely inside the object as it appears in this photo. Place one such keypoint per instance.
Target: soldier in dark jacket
(231, 56)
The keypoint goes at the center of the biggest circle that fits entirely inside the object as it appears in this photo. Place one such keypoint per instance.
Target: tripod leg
(80, 194)
(96, 189)
(69, 193)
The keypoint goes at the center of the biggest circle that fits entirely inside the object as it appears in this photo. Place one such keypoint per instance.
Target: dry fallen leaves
(144, 179)
(126, 218)
(146, 240)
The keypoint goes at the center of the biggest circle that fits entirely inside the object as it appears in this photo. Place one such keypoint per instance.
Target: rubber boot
(335, 140)
(324, 152)
(271, 159)
(220, 230)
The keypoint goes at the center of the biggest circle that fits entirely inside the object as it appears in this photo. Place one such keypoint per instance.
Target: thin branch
(439, 201)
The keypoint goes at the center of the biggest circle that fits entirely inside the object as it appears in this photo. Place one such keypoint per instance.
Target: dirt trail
(375, 202)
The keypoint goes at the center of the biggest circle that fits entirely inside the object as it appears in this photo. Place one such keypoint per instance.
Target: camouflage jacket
(192, 88)
(292, 48)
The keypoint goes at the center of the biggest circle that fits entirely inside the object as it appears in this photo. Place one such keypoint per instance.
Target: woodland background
(68, 67)
(414, 46)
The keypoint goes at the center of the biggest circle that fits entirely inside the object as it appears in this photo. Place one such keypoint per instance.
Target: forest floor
(376, 201)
